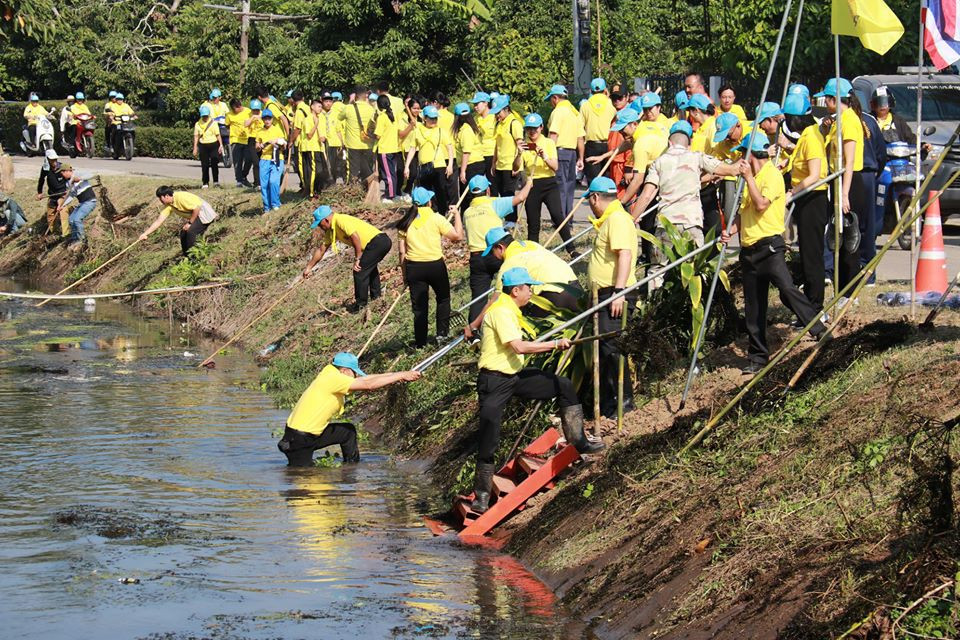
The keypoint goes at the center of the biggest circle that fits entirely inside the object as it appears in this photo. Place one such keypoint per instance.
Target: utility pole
(582, 72)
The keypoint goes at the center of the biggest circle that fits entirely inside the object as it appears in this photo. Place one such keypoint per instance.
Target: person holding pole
(567, 133)
(487, 122)
(82, 191)
(612, 268)
(726, 141)
(760, 222)
(502, 376)
(421, 232)
(56, 187)
(310, 425)
(597, 114)
(370, 246)
(195, 211)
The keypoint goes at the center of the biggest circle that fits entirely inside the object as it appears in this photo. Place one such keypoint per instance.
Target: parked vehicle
(43, 138)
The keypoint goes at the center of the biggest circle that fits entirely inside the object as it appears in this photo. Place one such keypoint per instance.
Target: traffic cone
(932, 263)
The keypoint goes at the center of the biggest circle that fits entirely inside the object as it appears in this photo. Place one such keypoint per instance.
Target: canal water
(141, 497)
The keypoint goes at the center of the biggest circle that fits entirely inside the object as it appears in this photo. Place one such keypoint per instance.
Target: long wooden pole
(596, 364)
(65, 289)
(621, 371)
(581, 200)
(916, 227)
(383, 321)
(838, 196)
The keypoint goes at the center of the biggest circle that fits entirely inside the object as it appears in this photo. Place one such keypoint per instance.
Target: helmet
(882, 98)
(70, 98)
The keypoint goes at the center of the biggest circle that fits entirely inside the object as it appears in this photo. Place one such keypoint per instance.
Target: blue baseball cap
(215, 94)
(119, 96)
(681, 100)
(798, 88)
(204, 110)
(494, 95)
(768, 110)
(682, 127)
(266, 114)
(832, 90)
(494, 236)
(348, 361)
(112, 94)
(461, 109)
(256, 105)
(34, 97)
(478, 184)
(598, 84)
(499, 104)
(725, 124)
(431, 112)
(698, 101)
(636, 105)
(336, 95)
(480, 96)
(650, 99)
(373, 95)
(288, 94)
(422, 196)
(517, 276)
(556, 90)
(796, 104)
(320, 214)
(760, 142)
(602, 184)
(80, 96)
(532, 120)
(625, 117)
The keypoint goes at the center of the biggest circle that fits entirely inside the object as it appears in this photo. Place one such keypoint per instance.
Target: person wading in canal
(502, 376)
(196, 212)
(309, 426)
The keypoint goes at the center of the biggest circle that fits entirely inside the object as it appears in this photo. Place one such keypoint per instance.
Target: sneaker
(206, 186)
(239, 185)
(386, 201)
(216, 185)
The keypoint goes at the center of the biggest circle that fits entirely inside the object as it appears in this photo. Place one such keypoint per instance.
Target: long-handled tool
(65, 289)
(928, 323)
(383, 320)
(582, 198)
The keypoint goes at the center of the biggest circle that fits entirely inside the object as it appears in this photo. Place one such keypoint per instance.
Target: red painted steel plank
(530, 464)
(502, 486)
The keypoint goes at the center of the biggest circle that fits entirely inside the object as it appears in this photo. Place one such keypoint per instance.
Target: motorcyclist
(120, 108)
(894, 127)
(80, 108)
(31, 112)
(108, 113)
(68, 124)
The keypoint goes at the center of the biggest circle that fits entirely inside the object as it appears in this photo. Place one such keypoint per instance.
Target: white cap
(51, 154)
(70, 97)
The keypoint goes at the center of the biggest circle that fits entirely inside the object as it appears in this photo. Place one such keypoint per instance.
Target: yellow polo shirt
(266, 136)
(566, 123)
(238, 132)
(597, 115)
(343, 226)
(649, 141)
(321, 402)
(501, 326)
(483, 214)
(754, 225)
(33, 111)
(852, 129)
(811, 145)
(508, 131)
(535, 166)
(388, 133)
(311, 131)
(121, 109)
(468, 142)
(80, 109)
(424, 234)
(432, 144)
(333, 126)
(207, 131)
(615, 232)
(488, 126)
(184, 203)
(355, 118)
(445, 119)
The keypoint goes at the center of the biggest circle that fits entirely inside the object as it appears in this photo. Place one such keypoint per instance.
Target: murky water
(142, 497)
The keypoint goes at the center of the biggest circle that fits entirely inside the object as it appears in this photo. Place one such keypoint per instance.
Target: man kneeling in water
(309, 426)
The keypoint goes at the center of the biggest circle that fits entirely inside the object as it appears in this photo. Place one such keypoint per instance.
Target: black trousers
(241, 162)
(764, 265)
(812, 212)
(338, 166)
(545, 191)
(189, 238)
(313, 172)
(710, 202)
(861, 205)
(495, 390)
(560, 299)
(410, 182)
(483, 269)
(253, 158)
(435, 179)
(421, 277)
(299, 446)
(366, 282)
(504, 183)
(390, 173)
(209, 161)
(593, 148)
(473, 169)
(610, 360)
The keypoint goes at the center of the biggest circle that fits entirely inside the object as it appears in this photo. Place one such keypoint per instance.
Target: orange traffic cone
(932, 265)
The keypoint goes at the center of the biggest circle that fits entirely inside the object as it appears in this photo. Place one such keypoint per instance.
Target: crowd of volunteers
(461, 173)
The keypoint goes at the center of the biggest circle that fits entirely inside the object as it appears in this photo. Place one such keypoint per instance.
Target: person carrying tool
(56, 187)
(421, 232)
(502, 376)
(194, 210)
(370, 246)
(760, 222)
(80, 190)
(483, 214)
(271, 142)
(597, 114)
(612, 268)
(540, 161)
(726, 142)
(567, 134)
(310, 425)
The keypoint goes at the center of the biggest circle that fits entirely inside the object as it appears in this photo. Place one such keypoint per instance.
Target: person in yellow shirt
(502, 376)
(79, 112)
(539, 160)
(597, 114)
(612, 268)
(116, 114)
(761, 225)
(196, 213)
(445, 118)
(487, 123)
(699, 110)
(356, 118)
(311, 138)
(219, 111)
(271, 143)
(236, 119)
(507, 134)
(297, 109)
(207, 146)
(312, 426)
(567, 133)
(408, 142)
(389, 127)
(370, 246)
(467, 136)
(334, 128)
(728, 103)
(649, 141)
(726, 142)
(254, 124)
(421, 232)
(433, 146)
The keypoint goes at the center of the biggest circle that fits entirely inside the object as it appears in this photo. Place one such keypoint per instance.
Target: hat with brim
(518, 276)
(681, 100)
(755, 143)
(348, 361)
(624, 117)
(834, 89)
(422, 196)
(602, 184)
(698, 101)
(683, 127)
(650, 99)
(725, 124)
(478, 184)
(480, 96)
(494, 236)
(768, 110)
(431, 112)
(499, 104)
(532, 121)
(556, 90)
(320, 214)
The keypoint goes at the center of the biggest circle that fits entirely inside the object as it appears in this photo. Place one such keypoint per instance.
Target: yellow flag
(872, 21)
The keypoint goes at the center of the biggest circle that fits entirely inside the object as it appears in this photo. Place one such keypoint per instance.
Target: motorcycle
(227, 157)
(85, 128)
(123, 137)
(44, 136)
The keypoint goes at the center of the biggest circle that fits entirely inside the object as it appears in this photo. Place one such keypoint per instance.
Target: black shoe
(752, 369)
(355, 307)
(851, 232)
(571, 418)
(481, 487)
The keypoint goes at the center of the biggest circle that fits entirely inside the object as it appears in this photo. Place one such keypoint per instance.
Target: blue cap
(598, 84)
(204, 110)
(725, 124)
(319, 214)
(422, 196)
(796, 104)
(461, 109)
(494, 236)
(556, 90)
(267, 113)
(256, 105)
(336, 95)
(682, 127)
(768, 110)
(636, 105)
(373, 95)
(798, 89)
(34, 97)
(431, 112)
(499, 104)
(602, 184)
(517, 276)
(215, 94)
(119, 96)
(494, 95)
(681, 100)
(288, 94)
(698, 101)
(830, 89)
(532, 120)
(112, 94)
(624, 117)
(348, 361)
(760, 142)
(478, 184)
(480, 96)
(80, 96)
(650, 99)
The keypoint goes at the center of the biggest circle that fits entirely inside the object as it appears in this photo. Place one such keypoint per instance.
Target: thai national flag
(941, 33)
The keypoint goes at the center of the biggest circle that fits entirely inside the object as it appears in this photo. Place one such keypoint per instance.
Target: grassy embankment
(799, 517)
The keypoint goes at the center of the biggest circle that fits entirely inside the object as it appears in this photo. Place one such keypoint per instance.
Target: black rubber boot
(481, 487)
(572, 420)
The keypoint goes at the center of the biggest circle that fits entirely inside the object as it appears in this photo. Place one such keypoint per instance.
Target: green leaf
(696, 291)
(724, 279)
(686, 273)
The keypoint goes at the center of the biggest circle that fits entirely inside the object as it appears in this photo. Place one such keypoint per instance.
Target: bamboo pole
(65, 289)
(582, 198)
(383, 321)
(793, 51)
(838, 196)
(621, 371)
(595, 297)
(918, 161)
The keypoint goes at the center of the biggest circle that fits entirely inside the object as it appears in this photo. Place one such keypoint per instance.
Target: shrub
(164, 142)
